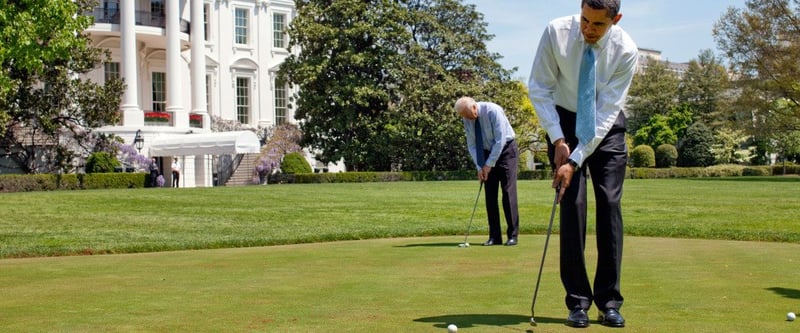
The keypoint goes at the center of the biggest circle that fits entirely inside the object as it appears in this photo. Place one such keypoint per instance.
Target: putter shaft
(544, 254)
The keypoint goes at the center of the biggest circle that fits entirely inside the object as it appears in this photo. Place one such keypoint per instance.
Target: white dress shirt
(554, 77)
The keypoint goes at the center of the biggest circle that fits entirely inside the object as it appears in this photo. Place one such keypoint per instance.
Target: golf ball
(452, 328)
(790, 316)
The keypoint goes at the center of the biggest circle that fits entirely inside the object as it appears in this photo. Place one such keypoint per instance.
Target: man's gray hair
(464, 103)
(612, 6)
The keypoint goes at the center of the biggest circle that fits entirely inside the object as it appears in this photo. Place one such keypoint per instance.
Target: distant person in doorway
(176, 171)
(154, 172)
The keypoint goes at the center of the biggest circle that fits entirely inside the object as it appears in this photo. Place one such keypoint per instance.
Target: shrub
(666, 156)
(294, 163)
(694, 149)
(643, 156)
(101, 162)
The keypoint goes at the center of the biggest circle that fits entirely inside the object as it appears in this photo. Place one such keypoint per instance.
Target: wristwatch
(574, 164)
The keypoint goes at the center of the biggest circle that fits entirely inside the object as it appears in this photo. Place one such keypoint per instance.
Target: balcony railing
(150, 19)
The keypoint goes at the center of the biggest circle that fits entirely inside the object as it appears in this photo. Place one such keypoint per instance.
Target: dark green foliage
(694, 150)
(643, 156)
(101, 162)
(666, 156)
(295, 163)
(378, 80)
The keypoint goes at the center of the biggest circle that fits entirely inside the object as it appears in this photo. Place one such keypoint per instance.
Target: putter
(469, 226)
(544, 254)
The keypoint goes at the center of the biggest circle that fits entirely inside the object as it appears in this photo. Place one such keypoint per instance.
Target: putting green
(398, 285)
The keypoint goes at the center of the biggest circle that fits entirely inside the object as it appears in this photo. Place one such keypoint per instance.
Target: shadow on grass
(777, 178)
(473, 320)
(786, 292)
(454, 244)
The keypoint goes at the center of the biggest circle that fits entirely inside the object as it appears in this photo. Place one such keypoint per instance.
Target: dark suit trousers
(606, 167)
(503, 176)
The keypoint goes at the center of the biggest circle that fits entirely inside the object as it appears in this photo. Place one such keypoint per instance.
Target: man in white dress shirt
(554, 91)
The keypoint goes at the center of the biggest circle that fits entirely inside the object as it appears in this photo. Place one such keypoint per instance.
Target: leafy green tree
(378, 80)
(694, 149)
(702, 89)
(652, 92)
(656, 132)
(761, 44)
(47, 112)
(727, 145)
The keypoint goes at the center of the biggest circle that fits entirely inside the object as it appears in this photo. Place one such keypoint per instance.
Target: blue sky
(677, 28)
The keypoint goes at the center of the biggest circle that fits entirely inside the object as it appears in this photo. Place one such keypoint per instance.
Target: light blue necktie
(585, 124)
(479, 144)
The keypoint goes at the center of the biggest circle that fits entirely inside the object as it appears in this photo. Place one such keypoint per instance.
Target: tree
(652, 92)
(702, 88)
(762, 44)
(655, 133)
(47, 112)
(694, 149)
(378, 80)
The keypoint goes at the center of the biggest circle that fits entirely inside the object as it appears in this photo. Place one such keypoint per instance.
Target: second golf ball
(790, 316)
(452, 328)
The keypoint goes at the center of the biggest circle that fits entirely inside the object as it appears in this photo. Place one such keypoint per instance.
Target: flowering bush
(131, 157)
(284, 140)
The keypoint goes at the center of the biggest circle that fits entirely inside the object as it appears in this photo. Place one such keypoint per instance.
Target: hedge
(50, 182)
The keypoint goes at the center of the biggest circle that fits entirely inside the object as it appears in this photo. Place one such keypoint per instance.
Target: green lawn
(403, 274)
(147, 220)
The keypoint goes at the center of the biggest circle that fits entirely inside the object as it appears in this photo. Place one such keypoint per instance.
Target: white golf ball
(790, 316)
(452, 328)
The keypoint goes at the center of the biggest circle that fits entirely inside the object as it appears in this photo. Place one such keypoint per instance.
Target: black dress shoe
(611, 318)
(511, 242)
(491, 242)
(578, 318)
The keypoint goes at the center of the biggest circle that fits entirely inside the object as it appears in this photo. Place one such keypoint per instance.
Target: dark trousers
(503, 176)
(176, 176)
(606, 167)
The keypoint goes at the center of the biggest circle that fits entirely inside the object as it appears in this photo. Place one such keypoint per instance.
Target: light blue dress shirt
(496, 131)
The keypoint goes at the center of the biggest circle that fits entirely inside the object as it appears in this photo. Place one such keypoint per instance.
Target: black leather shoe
(578, 318)
(511, 242)
(611, 318)
(491, 242)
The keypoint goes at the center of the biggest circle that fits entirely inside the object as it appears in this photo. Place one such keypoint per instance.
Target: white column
(198, 66)
(174, 96)
(132, 115)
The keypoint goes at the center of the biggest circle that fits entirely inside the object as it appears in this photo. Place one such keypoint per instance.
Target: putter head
(533, 321)
(463, 245)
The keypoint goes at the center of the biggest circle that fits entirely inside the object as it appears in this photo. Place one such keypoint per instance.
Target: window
(243, 100)
(206, 28)
(279, 30)
(240, 26)
(159, 91)
(157, 13)
(280, 102)
(111, 71)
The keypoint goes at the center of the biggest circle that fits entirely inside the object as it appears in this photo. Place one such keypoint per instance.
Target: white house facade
(186, 60)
